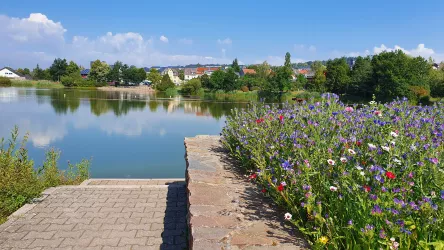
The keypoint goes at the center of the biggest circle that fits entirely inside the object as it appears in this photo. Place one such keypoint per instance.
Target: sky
(162, 33)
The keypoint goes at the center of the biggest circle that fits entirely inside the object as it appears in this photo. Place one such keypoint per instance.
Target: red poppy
(253, 176)
(367, 188)
(258, 121)
(390, 175)
(281, 117)
(358, 143)
(281, 188)
(264, 190)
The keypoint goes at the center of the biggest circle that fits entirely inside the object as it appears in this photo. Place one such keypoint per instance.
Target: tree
(287, 62)
(263, 70)
(58, 68)
(72, 68)
(181, 74)
(205, 81)
(319, 77)
(280, 81)
(154, 77)
(338, 75)
(191, 87)
(230, 81)
(361, 81)
(394, 73)
(217, 80)
(115, 74)
(37, 73)
(99, 71)
(165, 83)
(437, 83)
(24, 71)
(235, 65)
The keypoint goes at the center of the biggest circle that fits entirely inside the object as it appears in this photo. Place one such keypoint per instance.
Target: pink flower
(333, 188)
(349, 109)
(377, 113)
(331, 162)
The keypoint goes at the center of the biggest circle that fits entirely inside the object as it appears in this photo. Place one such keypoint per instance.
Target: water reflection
(126, 134)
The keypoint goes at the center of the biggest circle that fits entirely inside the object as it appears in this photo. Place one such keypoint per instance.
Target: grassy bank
(36, 84)
(20, 182)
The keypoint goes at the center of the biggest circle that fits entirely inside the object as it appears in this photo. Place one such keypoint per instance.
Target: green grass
(20, 182)
(36, 84)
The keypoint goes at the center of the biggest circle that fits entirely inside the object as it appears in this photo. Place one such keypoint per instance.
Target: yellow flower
(323, 240)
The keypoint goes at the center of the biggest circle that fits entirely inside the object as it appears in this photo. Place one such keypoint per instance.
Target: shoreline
(136, 89)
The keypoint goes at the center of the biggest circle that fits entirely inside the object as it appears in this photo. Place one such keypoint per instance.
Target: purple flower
(376, 210)
(434, 160)
(350, 222)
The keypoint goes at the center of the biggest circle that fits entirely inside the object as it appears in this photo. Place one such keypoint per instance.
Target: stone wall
(225, 210)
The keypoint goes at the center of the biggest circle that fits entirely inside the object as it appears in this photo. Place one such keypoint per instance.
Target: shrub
(165, 84)
(171, 92)
(20, 182)
(5, 82)
(255, 88)
(191, 87)
(354, 178)
(245, 89)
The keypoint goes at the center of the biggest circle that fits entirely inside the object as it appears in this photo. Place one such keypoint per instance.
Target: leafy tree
(24, 71)
(191, 87)
(58, 68)
(115, 74)
(217, 80)
(319, 77)
(263, 70)
(99, 71)
(437, 83)
(395, 72)
(205, 80)
(287, 62)
(235, 65)
(338, 75)
(47, 75)
(72, 68)
(181, 74)
(361, 82)
(140, 75)
(165, 83)
(230, 81)
(280, 81)
(125, 73)
(154, 77)
(37, 73)
(301, 82)
(252, 81)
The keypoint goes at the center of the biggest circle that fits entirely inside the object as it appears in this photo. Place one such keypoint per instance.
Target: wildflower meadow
(348, 176)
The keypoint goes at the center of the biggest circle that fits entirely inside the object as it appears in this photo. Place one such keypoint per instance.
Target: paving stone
(71, 219)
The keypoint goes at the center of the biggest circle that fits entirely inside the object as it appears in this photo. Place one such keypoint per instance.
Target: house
(84, 73)
(206, 70)
(246, 71)
(435, 66)
(173, 74)
(190, 73)
(10, 73)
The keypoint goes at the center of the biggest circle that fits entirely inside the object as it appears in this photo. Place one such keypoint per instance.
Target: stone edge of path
(84, 185)
(225, 211)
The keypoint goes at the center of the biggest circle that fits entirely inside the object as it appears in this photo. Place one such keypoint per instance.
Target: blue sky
(146, 33)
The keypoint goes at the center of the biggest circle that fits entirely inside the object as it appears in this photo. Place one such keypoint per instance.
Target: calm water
(126, 135)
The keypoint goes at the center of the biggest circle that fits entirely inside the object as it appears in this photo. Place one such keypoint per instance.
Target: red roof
(202, 70)
(249, 71)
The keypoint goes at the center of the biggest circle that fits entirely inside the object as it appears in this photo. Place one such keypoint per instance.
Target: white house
(190, 73)
(174, 76)
(10, 73)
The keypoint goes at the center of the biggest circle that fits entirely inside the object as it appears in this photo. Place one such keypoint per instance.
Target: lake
(126, 135)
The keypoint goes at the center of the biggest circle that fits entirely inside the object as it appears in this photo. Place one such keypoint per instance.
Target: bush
(171, 92)
(348, 177)
(255, 88)
(20, 182)
(36, 84)
(191, 87)
(5, 82)
(245, 89)
(165, 84)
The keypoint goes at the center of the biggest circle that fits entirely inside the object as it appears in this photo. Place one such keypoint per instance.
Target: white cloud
(38, 39)
(186, 41)
(223, 52)
(163, 39)
(420, 50)
(226, 41)
(312, 48)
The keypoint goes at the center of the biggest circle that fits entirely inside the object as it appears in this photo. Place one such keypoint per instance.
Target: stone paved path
(102, 214)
